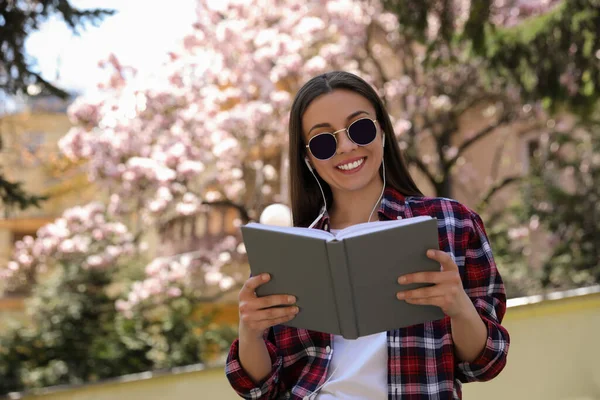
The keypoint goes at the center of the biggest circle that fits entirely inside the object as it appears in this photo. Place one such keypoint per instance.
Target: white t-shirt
(358, 368)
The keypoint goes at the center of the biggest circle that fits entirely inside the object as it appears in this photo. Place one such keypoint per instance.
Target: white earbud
(307, 163)
(383, 140)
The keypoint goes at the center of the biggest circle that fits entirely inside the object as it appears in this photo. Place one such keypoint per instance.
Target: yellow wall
(553, 356)
(554, 353)
(30, 155)
(199, 385)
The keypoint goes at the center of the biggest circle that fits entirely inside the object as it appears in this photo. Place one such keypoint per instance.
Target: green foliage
(174, 333)
(12, 195)
(554, 57)
(565, 195)
(19, 19)
(78, 336)
(509, 234)
(72, 338)
(560, 209)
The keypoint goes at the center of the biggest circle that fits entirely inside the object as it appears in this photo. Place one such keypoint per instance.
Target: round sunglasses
(362, 132)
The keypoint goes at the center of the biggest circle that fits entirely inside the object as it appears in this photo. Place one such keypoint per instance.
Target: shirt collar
(391, 207)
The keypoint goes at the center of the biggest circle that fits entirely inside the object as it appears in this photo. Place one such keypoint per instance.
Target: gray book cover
(346, 284)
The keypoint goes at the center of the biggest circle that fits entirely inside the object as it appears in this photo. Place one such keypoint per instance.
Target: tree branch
(228, 203)
(497, 159)
(423, 168)
(376, 62)
(506, 118)
(12, 195)
(496, 188)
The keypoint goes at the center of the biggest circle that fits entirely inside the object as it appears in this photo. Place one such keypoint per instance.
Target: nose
(344, 144)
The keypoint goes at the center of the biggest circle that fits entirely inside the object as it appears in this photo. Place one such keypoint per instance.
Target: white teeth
(352, 165)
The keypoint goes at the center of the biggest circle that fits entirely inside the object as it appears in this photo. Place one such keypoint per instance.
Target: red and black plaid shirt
(421, 360)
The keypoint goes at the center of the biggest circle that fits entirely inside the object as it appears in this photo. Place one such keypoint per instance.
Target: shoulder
(448, 210)
(434, 205)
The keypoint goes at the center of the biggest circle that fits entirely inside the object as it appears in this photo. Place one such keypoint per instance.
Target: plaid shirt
(421, 360)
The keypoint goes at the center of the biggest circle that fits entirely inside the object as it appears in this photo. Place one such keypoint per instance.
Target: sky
(139, 34)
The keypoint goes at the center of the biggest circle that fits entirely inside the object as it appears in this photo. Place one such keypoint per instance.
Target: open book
(346, 283)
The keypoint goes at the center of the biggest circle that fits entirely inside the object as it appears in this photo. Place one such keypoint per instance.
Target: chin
(352, 184)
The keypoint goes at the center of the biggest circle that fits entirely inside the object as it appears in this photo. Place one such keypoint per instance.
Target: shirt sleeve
(241, 382)
(485, 287)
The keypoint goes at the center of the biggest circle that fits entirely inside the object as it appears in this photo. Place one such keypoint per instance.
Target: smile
(351, 165)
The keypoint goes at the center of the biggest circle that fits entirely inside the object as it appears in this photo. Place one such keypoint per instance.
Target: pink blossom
(153, 268)
(187, 208)
(226, 283)
(190, 168)
(67, 246)
(174, 292)
(122, 305)
(84, 236)
(97, 234)
(213, 277)
(94, 261)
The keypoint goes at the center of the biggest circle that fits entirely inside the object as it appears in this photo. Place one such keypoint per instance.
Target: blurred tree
(12, 195)
(564, 196)
(18, 19)
(550, 51)
(550, 48)
(559, 207)
(207, 129)
(76, 333)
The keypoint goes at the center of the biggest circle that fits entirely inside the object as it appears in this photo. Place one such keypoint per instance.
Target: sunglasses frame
(347, 129)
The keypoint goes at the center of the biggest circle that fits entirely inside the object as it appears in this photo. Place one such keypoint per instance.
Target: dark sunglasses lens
(322, 146)
(363, 132)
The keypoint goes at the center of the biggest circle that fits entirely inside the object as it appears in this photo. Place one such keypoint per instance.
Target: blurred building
(29, 138)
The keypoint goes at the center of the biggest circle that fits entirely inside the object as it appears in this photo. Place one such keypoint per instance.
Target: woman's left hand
(447, 291)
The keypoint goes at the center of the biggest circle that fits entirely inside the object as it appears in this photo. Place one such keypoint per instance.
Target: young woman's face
(353, 167)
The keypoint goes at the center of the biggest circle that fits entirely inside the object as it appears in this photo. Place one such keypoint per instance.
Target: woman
(344, 164)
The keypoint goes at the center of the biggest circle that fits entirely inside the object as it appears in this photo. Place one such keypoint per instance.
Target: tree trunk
(444, 188)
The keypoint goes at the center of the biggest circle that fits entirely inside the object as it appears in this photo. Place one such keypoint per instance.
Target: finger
(273, 313)
(432, 291)
(250, 317)
(253, 283)
(439, 301)
(272, 322)
(443, 258)
(428, 277)
(273, 300)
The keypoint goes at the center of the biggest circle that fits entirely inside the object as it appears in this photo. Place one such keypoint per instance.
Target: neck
(354, 207)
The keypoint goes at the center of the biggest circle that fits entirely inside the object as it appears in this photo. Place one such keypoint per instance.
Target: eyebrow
(348, 118)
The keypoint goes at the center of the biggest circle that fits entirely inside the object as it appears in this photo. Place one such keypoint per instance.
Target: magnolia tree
(84, 238)
(210, 127)
(218, 110)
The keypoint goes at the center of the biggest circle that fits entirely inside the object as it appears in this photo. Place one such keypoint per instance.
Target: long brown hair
(305, 195)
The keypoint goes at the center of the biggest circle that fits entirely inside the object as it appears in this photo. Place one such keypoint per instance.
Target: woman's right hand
(255, 314)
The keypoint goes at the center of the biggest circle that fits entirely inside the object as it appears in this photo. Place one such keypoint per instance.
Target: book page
(369, 227)
(294, 230)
